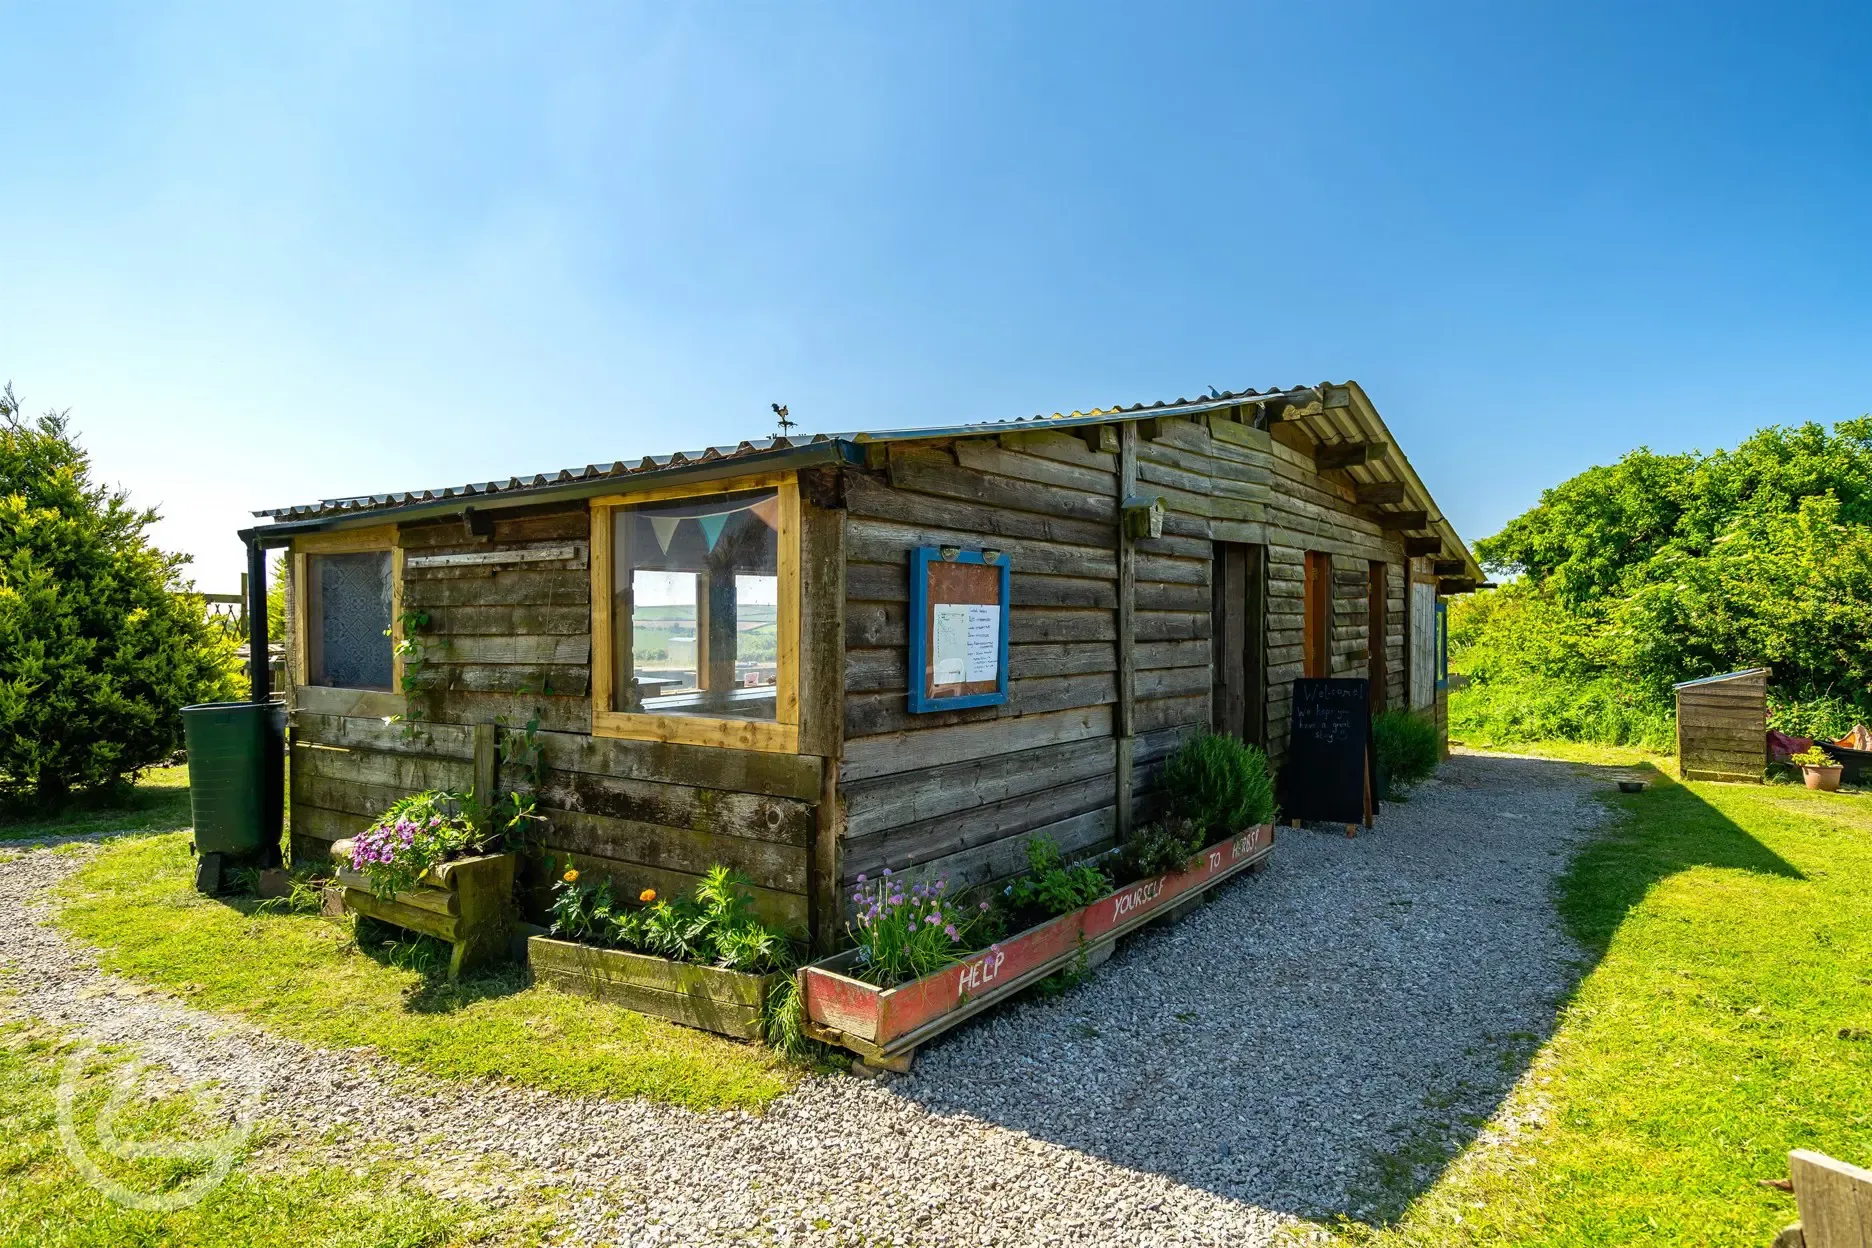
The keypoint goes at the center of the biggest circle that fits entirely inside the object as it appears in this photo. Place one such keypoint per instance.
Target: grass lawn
(304, 976)
(1726, 1019)
(158, 803)
(46, 1201)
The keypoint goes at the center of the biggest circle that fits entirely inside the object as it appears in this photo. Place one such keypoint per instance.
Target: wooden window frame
(348, 542)
(778, 736)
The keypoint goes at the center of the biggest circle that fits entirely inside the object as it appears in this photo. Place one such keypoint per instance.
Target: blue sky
(269, 255)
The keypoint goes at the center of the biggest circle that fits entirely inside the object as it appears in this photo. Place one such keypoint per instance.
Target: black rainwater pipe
(259, 673)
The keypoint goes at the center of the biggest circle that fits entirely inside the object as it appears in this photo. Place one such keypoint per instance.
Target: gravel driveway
(1217, 1081)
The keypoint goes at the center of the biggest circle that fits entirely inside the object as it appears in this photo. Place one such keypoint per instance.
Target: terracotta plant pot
(1825, 779)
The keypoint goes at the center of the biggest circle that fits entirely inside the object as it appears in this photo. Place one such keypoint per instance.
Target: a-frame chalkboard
(1330, 768)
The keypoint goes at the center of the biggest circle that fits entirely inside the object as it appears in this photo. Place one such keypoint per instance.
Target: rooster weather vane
(780, 411)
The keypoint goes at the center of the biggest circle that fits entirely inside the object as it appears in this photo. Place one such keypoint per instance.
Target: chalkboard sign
(1328, 776)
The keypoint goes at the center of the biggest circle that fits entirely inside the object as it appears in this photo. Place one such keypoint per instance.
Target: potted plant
(703, 960)
(1818, 769)
(426, 867)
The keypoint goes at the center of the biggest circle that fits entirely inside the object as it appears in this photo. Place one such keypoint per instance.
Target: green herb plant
(1408, 749)
(1157, 848)
(908, 929)
(1052, 886)
(714, 926)
(1220, 784)
(1813, 757)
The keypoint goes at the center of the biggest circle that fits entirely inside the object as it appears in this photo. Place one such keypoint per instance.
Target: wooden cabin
(818, 657)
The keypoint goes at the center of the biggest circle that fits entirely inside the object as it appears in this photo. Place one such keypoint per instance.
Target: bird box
(1143, 516)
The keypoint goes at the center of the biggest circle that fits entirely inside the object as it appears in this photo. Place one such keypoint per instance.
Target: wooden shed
(1722, 726)
(813, 657)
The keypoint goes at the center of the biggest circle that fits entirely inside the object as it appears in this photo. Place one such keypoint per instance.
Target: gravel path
(1218, 1080)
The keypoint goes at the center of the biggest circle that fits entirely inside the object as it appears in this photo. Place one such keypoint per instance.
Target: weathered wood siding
(960, 792)
(1722, 728)
(506, 643)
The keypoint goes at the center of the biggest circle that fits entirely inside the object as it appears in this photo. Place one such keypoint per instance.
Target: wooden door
(1238, 642)
(1377, 640)
(1316, 624)
(1422, 644)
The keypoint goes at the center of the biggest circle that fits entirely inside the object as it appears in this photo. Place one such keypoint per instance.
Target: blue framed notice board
(958, 628)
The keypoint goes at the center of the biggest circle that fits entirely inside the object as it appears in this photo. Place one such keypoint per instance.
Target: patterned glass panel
(349, 614)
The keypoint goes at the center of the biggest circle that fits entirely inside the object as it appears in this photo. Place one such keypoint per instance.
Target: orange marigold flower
(571, 877)
(647, 896)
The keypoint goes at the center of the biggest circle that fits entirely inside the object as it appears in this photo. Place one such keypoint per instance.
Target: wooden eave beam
(1348, 455)
(1449, 567)
(1392, 521)
(1418, 546)
(1375, 493)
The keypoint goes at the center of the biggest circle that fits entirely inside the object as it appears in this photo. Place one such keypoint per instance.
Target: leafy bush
(98, 649)
(1051, 886)
(1408, 749)
(418, 832)
(1220, 784)
(1657, 569)
(1156, 848)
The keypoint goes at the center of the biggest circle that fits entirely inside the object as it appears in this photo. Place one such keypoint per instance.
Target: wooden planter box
(727, 1002)
(885, 1025)
(467, 902)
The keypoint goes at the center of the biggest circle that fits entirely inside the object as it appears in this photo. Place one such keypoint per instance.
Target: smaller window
(347, 591)
(348, 618)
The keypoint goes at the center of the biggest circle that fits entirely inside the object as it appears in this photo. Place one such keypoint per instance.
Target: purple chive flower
(887, 871)
(951, 932)
(861, 878)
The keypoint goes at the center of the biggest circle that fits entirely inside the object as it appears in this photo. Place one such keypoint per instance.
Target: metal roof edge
(839, 449)
(1710, 680)
(1076, 420)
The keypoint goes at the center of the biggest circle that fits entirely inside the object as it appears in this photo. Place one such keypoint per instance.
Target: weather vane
(779, 410)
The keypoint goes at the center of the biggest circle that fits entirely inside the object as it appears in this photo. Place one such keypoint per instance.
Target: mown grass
(304, 976)
(48, 1202)
(1726, 1019)
(158, 802)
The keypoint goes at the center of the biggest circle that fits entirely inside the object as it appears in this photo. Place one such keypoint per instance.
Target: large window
(347, 587)
(696, 597)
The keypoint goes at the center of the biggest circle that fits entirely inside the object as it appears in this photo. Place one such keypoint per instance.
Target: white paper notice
(949, 644)
(984, 642)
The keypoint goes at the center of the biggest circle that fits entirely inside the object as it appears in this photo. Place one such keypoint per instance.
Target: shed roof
(1332, 414)
(1716, 680)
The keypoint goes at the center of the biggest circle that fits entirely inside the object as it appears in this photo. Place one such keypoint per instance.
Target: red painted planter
(886, 1022)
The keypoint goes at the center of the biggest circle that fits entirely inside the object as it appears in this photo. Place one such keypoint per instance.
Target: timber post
(1124, 722)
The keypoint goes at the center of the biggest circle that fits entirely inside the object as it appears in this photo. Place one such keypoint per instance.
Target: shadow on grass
(1348, 1019)
(429, 958)
(1658, 833)
(144, 810)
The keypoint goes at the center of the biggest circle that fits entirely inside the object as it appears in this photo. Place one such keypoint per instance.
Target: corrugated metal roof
(683, 459)
(1351, 419)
